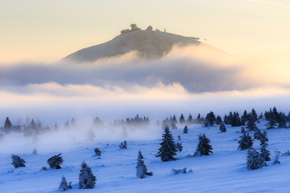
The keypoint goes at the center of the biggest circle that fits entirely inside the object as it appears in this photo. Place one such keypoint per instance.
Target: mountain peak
(147, 43)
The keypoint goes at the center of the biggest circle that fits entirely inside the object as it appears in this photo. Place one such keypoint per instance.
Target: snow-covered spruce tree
(63, 185)
(243, 130)
(87, 180)
(264, 144)
(69, 185)
(254, 115)
(7, 125)
(209, 119)
(223, 127)
(179, 146)
(254, 160)
(245, 142)
(282, 122)
(251, 125)
(199, 119)
(218, 120)
(185, 129)
(244, 118)
(123, 145)
(235, 119)
(173, 119)
(258, 134)
(173, 125)
(168, 149)
(34, 151)
(272, 120)
(261, 116)
(189, 119)
(17, 161)
(55, 161)
(182, 119)
(203, 147)
(141, 169)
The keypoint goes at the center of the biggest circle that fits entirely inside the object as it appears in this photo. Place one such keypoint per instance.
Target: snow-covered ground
(223, 171)
(148, 44)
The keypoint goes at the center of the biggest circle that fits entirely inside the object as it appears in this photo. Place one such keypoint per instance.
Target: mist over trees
(249, 127)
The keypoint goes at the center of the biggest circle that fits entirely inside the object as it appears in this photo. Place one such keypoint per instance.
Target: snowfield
(148, 44)
(223, 171)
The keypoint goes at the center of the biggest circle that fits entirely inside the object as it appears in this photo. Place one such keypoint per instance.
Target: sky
(35, 35)
(33, 30)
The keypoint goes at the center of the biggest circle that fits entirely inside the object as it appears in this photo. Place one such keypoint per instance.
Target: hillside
(148, 44)
(223, 171)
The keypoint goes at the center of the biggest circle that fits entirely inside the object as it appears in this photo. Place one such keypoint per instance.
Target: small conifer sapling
(141, 169)
(223, 127)
(63, 185)
(87, 180)
(55, 161)
(254, 160)
(17, 161)
(168, 149)
(185, 129)
(245, 142)
(203, 147)
(98, 152)
(179, 146)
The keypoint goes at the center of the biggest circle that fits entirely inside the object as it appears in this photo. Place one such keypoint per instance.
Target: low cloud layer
(189, 67)
(189, 80)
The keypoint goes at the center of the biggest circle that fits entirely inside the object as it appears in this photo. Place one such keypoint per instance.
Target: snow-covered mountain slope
(221, 172)
(148, 44)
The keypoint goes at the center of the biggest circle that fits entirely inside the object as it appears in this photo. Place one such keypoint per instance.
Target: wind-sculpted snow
(223, 171)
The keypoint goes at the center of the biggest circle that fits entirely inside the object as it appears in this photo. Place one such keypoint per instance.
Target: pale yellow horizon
(50, 30)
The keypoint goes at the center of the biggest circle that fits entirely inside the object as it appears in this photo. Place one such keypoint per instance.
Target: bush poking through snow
(87, 180)
(277, 157)
(181, 171)
(203, 147)
(168, 149)
(17, 161)
(98, 152)
(63, 185)
(55, 161)
(141, 169)
(123, 145)
(179, 147)
(287, 153)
